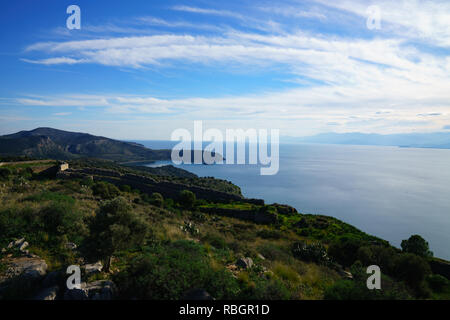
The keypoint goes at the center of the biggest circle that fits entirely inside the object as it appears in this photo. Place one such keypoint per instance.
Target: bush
(384, 257)
(168, 271)
(437, 282)
(187, 199)
(344, 250)
(216, 240)
(273, 252)
(60, 219)
(125, 188)
(314, 252)
(412, 269)
(259, 288)
(5, 173)
(116, 227)
(416, 245)
(105, 190)
(157, 199)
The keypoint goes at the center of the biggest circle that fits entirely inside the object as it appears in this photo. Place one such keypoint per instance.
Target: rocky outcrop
(47, 294)
(90, 269)
(98, 290)
(245, 263)
(28, 267)
(20, 245)
(285, 209)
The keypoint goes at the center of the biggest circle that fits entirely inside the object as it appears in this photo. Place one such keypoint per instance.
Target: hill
(64, 145)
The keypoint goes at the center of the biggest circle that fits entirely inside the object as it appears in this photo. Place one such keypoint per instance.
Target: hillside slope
(58, 144)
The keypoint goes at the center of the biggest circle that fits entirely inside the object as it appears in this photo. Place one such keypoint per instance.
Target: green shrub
(273, 252)
(187, 199)
(216, 240)
(412, 269)
(125, 188)
(60, 219)
(344, 250)
(437, 282)
(5, 173)
(314, 252)
(168, 271)
(382, 256)
(157, 199)
(105, 190)
(257, 287)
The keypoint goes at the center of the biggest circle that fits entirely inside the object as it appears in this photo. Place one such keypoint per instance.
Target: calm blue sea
(389, 192)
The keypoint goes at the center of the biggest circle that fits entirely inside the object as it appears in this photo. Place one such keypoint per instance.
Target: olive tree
(116, 227)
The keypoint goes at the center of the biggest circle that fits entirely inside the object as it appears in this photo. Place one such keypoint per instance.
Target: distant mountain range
(439, 140)
(63, 145)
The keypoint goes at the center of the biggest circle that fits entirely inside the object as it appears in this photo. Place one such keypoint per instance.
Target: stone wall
(257, 216)
(149, 185)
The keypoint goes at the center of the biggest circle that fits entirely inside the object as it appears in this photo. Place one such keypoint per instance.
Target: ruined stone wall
(149, 185)
(256, 216)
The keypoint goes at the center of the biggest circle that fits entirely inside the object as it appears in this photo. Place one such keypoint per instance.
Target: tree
(412, 269)
(187, 199)
(344, 250)
(116, 227)
(416, 245)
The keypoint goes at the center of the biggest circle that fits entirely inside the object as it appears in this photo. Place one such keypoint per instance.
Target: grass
(50, 196)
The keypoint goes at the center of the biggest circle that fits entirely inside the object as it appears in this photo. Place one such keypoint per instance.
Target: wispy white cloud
(369, 84)
(223, 13)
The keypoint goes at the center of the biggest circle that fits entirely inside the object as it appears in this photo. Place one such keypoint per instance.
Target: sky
(140, 69)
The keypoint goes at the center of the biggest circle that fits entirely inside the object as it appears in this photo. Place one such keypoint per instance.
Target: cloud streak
(383, 83)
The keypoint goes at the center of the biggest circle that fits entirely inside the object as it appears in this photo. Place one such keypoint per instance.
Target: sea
(389, 192)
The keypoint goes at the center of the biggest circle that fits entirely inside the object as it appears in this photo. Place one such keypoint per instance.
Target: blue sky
(141, 69)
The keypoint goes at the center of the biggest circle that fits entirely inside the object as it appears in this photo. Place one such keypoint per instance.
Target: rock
(345, 274)
(197, 294)
(245, 263)
(100, 290)
(27, 267)
(23, 246)
(93, 268)
(75, 294)
(20, 244)
(265, 216)
(71, 246)
(285, 209)
(47, 294)
(52, 279)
